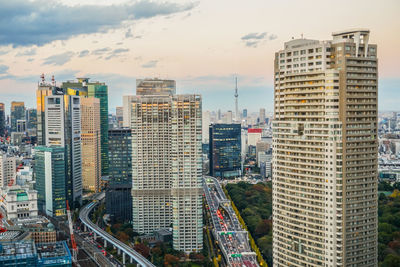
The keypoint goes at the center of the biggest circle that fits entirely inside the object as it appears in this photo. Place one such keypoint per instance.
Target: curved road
(84, 217)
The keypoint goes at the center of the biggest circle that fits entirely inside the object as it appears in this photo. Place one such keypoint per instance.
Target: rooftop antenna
(302, 36)
(237, 117)
(53, 81)
(42, 78)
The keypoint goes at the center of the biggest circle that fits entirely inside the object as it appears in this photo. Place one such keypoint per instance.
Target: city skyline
(128, 47)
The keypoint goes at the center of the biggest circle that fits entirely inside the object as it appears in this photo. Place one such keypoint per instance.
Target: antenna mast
(237, 116)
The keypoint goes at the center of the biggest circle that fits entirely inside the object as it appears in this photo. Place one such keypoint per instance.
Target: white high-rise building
(206, 124)
(167, 166)
(325, 152)
(7, 169)
(63, 129)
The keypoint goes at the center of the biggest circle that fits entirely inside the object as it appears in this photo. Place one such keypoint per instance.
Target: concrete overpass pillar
(85, 227)
(119, 252)
(105, 243)
(131, 260)
(123, 258)
(94, 235)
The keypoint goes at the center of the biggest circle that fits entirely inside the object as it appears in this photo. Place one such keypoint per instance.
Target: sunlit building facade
(325, 152)
(91, 143)
(167, 166)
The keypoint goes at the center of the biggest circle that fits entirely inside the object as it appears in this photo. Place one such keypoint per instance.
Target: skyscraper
(155, 87)
(166, 165)
(118, 192)
(262, 115)
(90, 141)
(325, 152)
(17, 113)
(31, 118)
(2, 119)
(119, 114)
(50, 184)
(244, 113)
(206, 124)
(83, 87)
(100, 91)
(63, 129)
(7, 169)
(44, 89)
(225, 150)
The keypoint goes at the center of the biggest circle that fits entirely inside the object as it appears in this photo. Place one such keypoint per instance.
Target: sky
(203, 45)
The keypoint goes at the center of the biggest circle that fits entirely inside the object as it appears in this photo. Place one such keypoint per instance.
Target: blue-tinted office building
(225, 150)
(118, 192)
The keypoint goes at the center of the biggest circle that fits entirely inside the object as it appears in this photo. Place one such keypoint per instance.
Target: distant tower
(237, 116)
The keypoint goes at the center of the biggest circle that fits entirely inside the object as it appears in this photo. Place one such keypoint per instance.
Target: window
(347, 48)
(319, 49)
(282, 55)
(288, 54)
(311, 50)
(302, 52)
(295, 53)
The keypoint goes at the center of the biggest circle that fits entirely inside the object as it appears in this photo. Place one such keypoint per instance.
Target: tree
(391, 261)
(142, 249)
(170, 260)
(263, 228)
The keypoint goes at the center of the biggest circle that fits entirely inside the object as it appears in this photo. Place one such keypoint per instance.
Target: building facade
(167, 165)
(325, 152)
(85, 88)
(2, 119)
(17, 113)
(225, 150)
(19, 202)
(50, 172)
(7, 169)
(31, 118)
(118, 192)
(91, 143)
(262, 116)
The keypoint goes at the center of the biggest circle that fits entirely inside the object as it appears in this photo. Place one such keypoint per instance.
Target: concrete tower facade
(91, 143)
(166, 165)
(325, 152)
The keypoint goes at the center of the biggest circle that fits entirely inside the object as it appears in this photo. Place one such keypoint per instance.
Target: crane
(71, 231)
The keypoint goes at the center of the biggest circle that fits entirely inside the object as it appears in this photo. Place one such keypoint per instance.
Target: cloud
(150, 64)
(101, 51)
(59, 59)
(251, 44)
(272, 37)
(24, 23)
(117, 52)
(27, 52)
(84, 53)
(3, 69)
(128, 33)
(254, 39)
(254, 36)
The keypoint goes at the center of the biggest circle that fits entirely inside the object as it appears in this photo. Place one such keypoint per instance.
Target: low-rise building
(26, 253)
(18, 202)
(40, 229)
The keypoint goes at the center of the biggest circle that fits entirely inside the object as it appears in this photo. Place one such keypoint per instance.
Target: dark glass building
(31, 118)
(225, 150)
(50, 180)
(118, 192)
(17, 113)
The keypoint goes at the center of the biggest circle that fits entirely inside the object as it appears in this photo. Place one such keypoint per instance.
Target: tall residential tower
(325, 152)
(167, 164)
